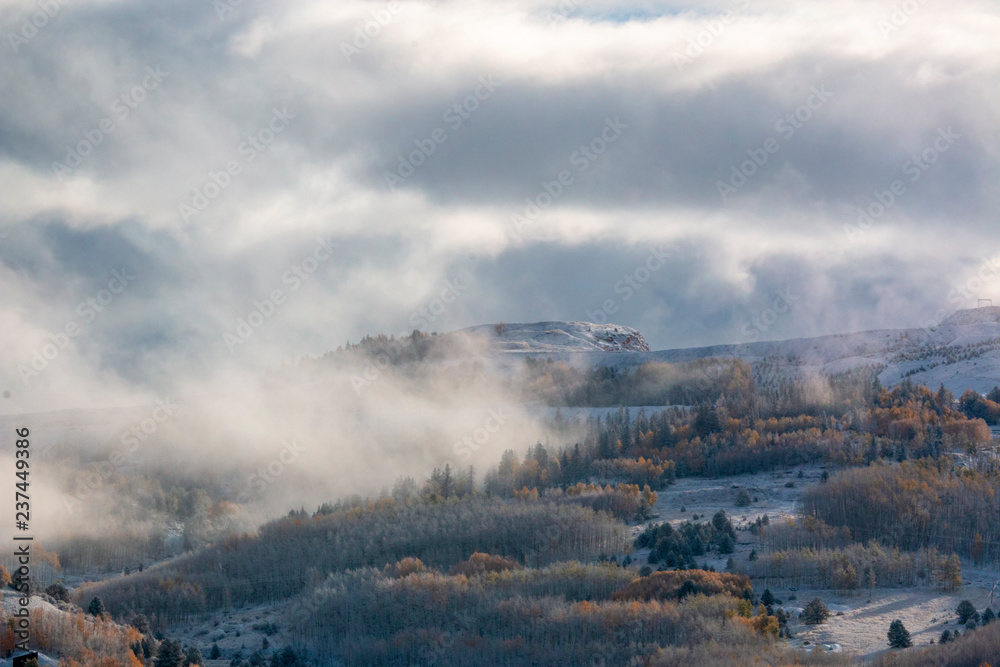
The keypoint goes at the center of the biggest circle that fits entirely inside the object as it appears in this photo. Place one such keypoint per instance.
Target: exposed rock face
(542, 337)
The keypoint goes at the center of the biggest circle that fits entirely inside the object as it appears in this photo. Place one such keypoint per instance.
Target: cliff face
(555, 337)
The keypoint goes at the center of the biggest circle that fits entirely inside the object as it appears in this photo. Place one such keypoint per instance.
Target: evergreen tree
(193, 657)
(815, 613)
(767, 597)
(447, 483)
(899, 636)
(285, 658)
(965, 610)
(96, 607)
(215, 653)
(170, 654)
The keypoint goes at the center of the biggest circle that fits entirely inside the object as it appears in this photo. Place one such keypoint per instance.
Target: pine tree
(447, 483)
(96, 607)
(965, 611)
(899, 636)
(215, 653)
(170, 654)
(815, 613)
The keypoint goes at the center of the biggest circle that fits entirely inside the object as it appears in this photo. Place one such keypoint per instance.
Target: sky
(191, 192)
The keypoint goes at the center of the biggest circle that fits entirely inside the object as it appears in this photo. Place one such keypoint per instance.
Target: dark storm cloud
(837, 106)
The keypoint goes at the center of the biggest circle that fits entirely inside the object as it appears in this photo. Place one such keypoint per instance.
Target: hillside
(962, 353)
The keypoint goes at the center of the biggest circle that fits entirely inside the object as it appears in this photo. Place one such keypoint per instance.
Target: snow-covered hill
(560, 337)
(962, 353)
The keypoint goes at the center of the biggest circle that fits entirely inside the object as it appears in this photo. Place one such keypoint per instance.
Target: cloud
(494, 102)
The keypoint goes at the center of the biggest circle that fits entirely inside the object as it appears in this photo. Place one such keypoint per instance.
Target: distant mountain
(963, 352)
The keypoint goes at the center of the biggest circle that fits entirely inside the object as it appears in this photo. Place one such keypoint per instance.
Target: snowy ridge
(963, 352)
(558, 337)
(988, 315)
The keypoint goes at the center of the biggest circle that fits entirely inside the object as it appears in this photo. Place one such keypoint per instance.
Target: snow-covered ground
(859, 622)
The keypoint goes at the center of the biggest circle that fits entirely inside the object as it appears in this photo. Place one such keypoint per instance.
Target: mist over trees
(281, 559)
(523, 567)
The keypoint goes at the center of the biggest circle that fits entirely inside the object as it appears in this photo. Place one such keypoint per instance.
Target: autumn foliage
(677, 584)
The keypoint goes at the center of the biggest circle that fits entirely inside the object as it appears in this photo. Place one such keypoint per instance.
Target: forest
(563, 614)
(533, 563)
(284, 556)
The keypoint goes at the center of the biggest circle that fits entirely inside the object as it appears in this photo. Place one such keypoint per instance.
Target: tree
(706, 421)
(215, 653)
(721, 523)
(193, 657)
(815, 613)
(951, 573)
(899, 636)
(170, 654)
(96, 607)
(945, 637)
(285, 658)
(140, 623)
(977, 550)
(988, 616)
(965, 610)
(742, 498)
(57, 591)
(447, 483)
(767, 597)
